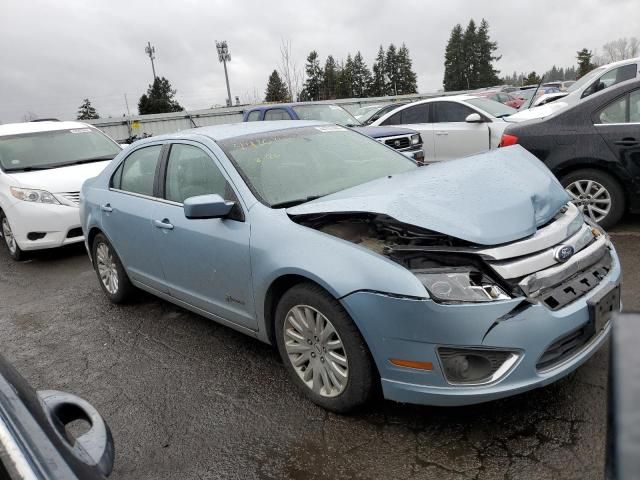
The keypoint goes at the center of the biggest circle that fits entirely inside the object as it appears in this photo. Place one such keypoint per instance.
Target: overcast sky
(55, 53)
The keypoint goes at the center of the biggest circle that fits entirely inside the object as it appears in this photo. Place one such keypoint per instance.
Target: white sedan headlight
(31, 195)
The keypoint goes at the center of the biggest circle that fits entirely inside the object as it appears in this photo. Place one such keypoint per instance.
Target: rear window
(44, 150)
(254, 116)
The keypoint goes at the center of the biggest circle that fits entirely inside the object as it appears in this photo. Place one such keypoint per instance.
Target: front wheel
(323, 350)
(597, 194)
(9, 239)
(111, 274)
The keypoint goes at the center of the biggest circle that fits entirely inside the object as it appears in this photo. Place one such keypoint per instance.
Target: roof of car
(33, 127)
(232, 130)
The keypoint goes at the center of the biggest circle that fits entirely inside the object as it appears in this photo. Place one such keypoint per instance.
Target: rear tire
(597, 194)
(111, 274)
(322, 349)
(10, 242)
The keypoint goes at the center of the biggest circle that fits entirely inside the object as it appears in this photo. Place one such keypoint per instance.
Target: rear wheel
(111, 274)
(9, 239)
(597, 194)
(323, 350)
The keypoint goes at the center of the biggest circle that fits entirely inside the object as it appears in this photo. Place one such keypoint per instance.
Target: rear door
(126, 216)
(454, 137)
(417, 117)
(619, 125)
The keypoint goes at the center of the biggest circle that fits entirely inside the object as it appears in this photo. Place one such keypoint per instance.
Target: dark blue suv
(406, 141)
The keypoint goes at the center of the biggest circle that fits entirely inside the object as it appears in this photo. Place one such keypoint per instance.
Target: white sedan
(453, 126)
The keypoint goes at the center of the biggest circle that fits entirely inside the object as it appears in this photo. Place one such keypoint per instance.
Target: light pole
(224, 56)
(151, 51)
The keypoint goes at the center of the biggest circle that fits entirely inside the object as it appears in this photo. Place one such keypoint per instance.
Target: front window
(326, 113)
(57, 148)
(289, 167)
(493, 108)
(586, 79)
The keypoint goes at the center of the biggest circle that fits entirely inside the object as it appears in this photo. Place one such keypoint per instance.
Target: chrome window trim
(146, 197)
(14, 453)
(615, 124)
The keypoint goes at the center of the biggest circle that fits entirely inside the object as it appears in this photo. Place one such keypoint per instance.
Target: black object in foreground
(34, 441)
(623, 449)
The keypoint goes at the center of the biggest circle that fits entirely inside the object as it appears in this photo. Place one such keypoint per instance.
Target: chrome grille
(398, 142)
(72, 196)
(532, 264)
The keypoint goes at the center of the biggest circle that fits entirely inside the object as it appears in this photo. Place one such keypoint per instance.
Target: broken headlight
(460, 285)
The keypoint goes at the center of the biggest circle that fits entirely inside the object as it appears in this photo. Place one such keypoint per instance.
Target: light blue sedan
(451, 284)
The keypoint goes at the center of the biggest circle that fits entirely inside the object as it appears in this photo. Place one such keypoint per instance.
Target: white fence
(123, 128)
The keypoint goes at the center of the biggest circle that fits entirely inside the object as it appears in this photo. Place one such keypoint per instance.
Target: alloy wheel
(7, 233)
(107, 269)
(316, 351)
(591, 197)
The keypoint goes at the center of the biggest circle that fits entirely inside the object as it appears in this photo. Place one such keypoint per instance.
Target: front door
(206, 261)
(453, 136)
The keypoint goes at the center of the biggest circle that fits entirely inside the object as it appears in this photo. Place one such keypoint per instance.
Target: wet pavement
(187, 398)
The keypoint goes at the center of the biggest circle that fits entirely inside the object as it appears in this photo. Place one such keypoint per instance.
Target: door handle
(442, 133)
(106, 208)
(628, 142)
(164, 224)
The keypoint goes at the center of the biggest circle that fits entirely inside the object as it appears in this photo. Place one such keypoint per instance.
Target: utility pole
(151, 51)
(224, 57)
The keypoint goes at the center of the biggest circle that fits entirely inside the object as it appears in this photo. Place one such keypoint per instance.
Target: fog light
(35, 235)
(472, 366)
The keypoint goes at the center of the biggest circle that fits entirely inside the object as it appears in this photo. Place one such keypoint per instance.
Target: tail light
(508, 140)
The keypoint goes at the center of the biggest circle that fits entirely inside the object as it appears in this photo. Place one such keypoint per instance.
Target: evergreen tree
(408, 78)
(391, 70)
(276, 89)
(330, 78)
(345, 79)
(314, 83)
(469, 46)
(361, 77)
(159, 98)
(584, 62)
(379, 85)
(86, 111)
(486, 74)
(455, 62)
(532, 79)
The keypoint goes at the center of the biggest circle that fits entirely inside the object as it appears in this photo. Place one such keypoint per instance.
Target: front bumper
(415, 155)
(412, 329)
(57, 222)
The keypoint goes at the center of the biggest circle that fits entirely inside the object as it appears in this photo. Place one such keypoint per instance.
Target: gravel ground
(187, 398)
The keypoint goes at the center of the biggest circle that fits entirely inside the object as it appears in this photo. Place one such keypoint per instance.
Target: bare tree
(634, 47)
(620, 49)
(289, 71)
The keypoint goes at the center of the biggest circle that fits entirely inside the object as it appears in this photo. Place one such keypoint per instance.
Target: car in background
(37, 440)
(452, 126)
(593, 147)
(599, 79)
(502, 97)
(42, 167)
(376, 112)
(452, 284)
(406, 141)
(561, 85)
(535, 93)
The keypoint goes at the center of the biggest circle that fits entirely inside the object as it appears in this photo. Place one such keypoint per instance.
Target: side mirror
(473, 118)
(207, 206)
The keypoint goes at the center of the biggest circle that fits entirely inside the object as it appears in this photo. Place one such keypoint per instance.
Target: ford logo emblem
(397, 143)
(562, 253)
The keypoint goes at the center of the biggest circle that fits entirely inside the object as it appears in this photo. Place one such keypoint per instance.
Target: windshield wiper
(61, 164)
(27, 169)
(89, 160)
(293, 203)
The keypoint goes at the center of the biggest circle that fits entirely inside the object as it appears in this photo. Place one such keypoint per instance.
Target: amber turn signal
(412, 364)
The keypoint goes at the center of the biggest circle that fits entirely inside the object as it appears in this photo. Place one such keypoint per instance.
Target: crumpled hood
(379, 132)
(61, 179)
(492, 198)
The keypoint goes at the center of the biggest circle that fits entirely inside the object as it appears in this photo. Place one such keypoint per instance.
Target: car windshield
(326, 113)
(586, 79)
(289, 167)
(44, 150)
(365, 113)
(492, 107)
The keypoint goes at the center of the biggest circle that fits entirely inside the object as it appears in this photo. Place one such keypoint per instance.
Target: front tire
(10, 242)
(111, 274)
(597, 194)
(322, 349)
